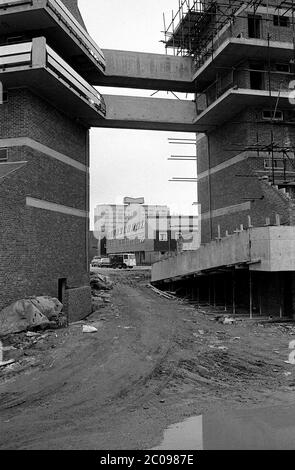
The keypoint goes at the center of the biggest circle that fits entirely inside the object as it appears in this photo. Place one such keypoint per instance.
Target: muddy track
(152, 362)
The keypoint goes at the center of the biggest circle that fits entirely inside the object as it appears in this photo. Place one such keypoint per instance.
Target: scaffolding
(200, 26)
(196, 23)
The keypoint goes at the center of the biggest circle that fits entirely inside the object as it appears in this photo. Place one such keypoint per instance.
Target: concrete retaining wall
(269, 249)
(77, 303)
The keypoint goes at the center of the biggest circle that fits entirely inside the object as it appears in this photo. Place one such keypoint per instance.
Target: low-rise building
(148, 231)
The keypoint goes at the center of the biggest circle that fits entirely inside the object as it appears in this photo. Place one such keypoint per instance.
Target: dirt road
(152, 363)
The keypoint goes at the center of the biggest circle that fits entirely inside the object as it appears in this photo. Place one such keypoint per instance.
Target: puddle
(184, 436)
(271, 428)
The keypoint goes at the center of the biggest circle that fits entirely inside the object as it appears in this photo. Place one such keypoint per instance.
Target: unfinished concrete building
(243, 54)
(237, 58)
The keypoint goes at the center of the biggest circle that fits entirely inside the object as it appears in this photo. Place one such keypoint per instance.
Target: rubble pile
(99, 282)
(100, 287)
(37, 313)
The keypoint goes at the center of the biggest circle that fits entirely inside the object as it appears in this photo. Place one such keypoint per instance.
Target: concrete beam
(147, 71)
(267, 249)
(128, 112)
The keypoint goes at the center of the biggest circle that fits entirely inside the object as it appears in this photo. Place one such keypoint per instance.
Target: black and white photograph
(147, 230)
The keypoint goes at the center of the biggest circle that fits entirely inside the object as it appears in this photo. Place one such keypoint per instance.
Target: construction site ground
(153, 362)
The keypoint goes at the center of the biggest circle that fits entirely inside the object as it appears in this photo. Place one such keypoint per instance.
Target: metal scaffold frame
(193, 31)
(196, 23)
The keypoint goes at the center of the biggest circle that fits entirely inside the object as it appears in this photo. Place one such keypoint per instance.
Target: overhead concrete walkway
(130, 112)
(147, 71)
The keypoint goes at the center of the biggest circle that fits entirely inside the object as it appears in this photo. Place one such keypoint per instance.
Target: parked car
(95, 263)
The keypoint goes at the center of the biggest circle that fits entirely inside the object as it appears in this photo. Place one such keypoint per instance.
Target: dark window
(269, 114)
(283, 67)
(273, 164)
(281, 21)
(4, 97)
(254, 26)
(3, 155)
(256, 80)
(62, 285)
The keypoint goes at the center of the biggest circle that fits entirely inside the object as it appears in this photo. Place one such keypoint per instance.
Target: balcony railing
(7, 3)
(245, 78)
(77, 30)
(18, 55)
(75, 80)
(72, 25)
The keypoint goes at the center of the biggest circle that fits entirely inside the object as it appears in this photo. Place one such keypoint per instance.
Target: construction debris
(100, 282)
(32, 313)
(6, 363)
(89, 329)
(164, 294)
(31, 334)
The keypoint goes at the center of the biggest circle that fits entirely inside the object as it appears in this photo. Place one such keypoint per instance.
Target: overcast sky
(127, 162)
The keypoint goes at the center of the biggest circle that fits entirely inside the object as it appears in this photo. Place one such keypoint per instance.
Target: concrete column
(214, 291)
(260, 296)
(224, 292)
(281, 294)
(39, 52)
(234, 291)
(250, 295)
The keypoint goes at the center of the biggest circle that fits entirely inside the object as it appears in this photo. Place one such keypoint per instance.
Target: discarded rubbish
(228, 321)
(166, 295)
(287, 374)
(201, 332)
(31, 334)
(89, 329)
(100, 282)
(32, 313)
(290, 362)
(6, 363)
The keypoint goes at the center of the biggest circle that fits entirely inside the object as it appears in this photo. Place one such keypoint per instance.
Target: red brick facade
(40, 246)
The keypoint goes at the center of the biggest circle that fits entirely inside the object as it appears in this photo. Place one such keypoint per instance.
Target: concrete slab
(268, 249)
(130, 112)
(147, 71)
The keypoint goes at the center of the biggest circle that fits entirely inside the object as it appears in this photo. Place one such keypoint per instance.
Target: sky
(134, 162)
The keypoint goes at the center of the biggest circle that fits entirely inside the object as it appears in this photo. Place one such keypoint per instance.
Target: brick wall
(38, 247)
(27, 115)
(240, 183)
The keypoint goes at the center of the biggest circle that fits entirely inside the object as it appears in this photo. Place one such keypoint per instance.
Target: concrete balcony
(234, 100)
(233, 51)
(36, 66)
(25, 19)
